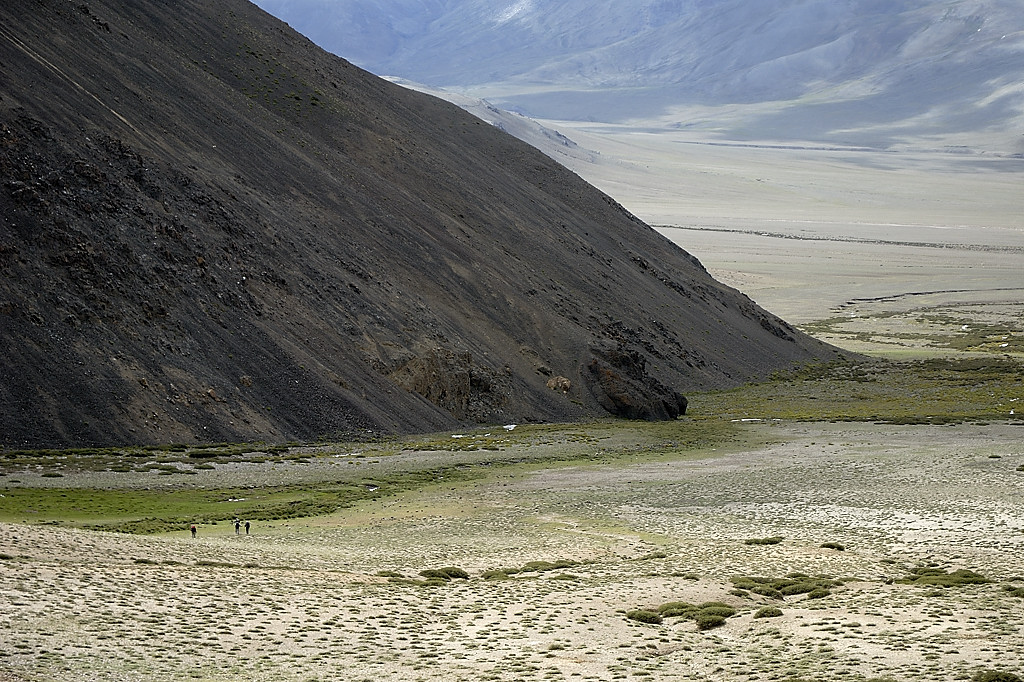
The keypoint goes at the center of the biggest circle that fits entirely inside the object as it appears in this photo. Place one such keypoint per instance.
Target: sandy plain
(812, 233)
(881, 242)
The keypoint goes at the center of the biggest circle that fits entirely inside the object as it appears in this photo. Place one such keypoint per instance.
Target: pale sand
(810, 233)
(76, 605)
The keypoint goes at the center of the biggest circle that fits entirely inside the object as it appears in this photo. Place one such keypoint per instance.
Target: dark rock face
(211, 230)
(620, 383)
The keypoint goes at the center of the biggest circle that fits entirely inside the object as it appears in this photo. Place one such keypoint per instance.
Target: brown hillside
(212, 230)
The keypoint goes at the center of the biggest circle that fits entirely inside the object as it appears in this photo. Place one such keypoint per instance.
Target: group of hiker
(238, 528)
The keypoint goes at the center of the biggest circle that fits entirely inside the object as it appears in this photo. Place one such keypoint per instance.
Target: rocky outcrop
(456, 384)
(619, 381)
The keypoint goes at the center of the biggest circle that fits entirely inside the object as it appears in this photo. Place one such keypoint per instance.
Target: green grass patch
(933, 391)
(162, 510)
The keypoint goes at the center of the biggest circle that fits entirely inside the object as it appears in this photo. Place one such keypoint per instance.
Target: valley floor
(911, 255)
(816, 234)
(311, 599)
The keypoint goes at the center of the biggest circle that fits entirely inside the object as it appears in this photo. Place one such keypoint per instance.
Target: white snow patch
(513, 11)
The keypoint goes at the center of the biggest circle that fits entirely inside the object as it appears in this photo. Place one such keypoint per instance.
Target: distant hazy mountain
(872, 71)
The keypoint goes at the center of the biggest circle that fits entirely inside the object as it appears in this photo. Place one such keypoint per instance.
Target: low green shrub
(644, 616)
(995, 676)
(768, 612)
(715, 608)
(1014, 591)
(541, 566)
(530, 567)
(763, 541)
(799, 588)
(447, 573)
(709, 621)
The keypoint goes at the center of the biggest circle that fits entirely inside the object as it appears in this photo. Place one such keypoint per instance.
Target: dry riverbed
(319, 598)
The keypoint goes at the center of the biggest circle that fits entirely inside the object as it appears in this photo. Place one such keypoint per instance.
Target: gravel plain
(317, 599)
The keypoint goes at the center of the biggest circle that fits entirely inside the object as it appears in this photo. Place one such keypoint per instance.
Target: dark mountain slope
(213, 230)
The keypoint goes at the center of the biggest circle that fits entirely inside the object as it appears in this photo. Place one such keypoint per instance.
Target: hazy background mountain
(859, 72)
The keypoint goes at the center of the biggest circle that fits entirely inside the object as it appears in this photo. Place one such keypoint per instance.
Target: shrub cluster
(937, 577)
(432, 577)
(708, 615)
(795, 583)
(446, 573)
(530, 567)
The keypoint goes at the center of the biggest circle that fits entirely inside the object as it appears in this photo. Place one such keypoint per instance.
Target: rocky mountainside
(859, 71)
(212, 230)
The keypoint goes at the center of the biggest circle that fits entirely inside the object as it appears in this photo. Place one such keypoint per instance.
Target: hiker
(193, 529)
(237, 526)
(246, 527)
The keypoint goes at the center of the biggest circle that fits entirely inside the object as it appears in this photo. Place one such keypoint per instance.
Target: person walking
(193, 529)
(238, 524)
(246, 527)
